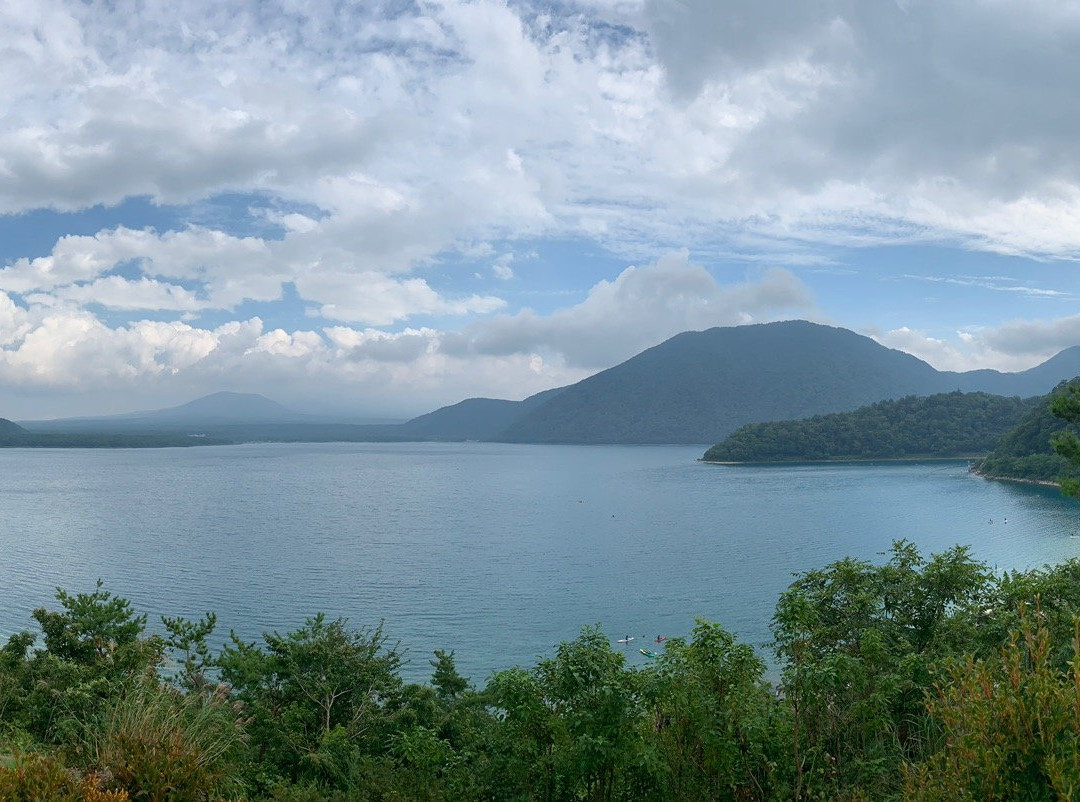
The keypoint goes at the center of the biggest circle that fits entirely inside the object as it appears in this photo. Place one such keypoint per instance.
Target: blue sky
(375, 209)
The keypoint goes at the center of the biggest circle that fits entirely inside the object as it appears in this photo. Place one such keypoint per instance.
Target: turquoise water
(495, 551)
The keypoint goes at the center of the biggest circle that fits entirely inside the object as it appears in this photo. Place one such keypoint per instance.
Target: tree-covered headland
(1026, 452)
(913, 678)
(944, 425)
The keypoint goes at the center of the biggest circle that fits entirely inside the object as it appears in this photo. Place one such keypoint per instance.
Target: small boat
(650, 655)
(624, 640)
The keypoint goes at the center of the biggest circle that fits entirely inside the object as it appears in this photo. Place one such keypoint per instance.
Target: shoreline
(1016, 480)
(865, 460)
(837, 460)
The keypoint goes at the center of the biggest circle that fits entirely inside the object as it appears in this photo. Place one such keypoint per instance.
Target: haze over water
(495, 551)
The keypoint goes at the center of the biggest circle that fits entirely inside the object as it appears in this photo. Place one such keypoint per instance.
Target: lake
(495, 551)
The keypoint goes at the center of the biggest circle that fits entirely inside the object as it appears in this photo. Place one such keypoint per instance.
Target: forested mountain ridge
(700, 386)
(943, 425)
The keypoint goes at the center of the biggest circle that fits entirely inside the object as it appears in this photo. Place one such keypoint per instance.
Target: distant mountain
(218, 409)
(10, 429)
(945, 425)
(1025, 452)
(224, 408)
(473, 418)
(698, 387)
(1036, 381)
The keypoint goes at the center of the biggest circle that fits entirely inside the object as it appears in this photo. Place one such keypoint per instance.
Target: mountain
(218, 409)
(1036, 381)
(696, 387)
(700, 386)
(473, 418)
(10, 429)
(945, 425)
(1025, 452)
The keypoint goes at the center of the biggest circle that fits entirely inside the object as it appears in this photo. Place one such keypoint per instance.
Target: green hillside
(943, 425)
(1024, 452)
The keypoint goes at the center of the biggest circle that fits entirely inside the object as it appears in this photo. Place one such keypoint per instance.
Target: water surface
(495, 551)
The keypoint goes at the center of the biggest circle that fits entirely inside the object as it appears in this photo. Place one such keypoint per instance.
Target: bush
(43, 778)
(1011, 725)
(159, 743)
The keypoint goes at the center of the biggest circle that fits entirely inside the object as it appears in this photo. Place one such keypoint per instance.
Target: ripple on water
(495, 551)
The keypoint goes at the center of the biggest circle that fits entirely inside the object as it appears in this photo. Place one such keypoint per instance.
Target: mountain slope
(472, 419)
(944, 425)
(10, 429)
(1036, 381)
(698, 387)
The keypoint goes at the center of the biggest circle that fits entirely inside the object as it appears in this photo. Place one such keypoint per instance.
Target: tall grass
(160, 744)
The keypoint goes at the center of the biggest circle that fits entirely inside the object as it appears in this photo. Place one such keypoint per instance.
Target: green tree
(187, 640)
(715, 721)
(93, 646)
(319, 698)
(1066, 405)
(857, 642)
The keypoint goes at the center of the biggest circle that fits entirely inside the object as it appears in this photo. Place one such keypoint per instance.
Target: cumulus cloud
(419, 126)
(1038, 338)
(228, 270)
(639, 308)
(65, 347)
(1013, 346)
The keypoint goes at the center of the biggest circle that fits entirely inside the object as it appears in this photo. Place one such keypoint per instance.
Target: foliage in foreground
(915, 678)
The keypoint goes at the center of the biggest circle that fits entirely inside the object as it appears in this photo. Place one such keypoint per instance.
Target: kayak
(649, 654)
(661, 638)
(624, 640)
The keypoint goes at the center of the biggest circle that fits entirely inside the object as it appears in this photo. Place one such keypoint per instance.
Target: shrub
(159, 743)
(43, 778)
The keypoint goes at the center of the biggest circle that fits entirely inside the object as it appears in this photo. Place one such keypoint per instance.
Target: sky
(375, 208)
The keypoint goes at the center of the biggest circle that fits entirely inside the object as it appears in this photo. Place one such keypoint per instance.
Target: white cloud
(228, 270)
(502, 269)
(456, 121)
(1013, 346)
(64, 347)
(392, 134)
(116, 292)
(639, 308)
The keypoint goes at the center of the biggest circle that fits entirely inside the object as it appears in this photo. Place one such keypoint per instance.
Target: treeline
(918, 678)
(944, 425)
(14, 436)
(1026, 452)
